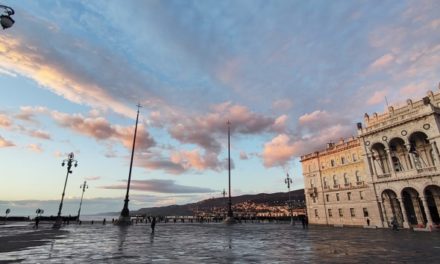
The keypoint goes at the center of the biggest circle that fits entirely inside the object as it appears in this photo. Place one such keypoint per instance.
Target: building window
(337, 197)
(358, 178)
(346, 182)
(361, 195)
(335, 181)
(314, 199)
(352, 212)
(327, 197)
(354, 157)
(365, 212)
(316, 212)
(340, 212)
(325, 182)
(332, 163)
(342, 160)
(349, 196)
(330, 213)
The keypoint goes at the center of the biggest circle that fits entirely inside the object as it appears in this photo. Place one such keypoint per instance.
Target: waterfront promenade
(217, 243)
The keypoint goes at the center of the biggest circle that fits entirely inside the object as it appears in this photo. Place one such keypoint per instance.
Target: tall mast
(230, 214)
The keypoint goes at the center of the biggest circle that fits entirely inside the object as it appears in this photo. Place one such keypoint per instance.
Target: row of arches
(410, 209)
(414, 152)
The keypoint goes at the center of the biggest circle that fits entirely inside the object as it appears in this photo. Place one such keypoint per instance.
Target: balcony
(347, 185)
(312, 190)
(360, 183)
(336, 186)
(383, 176)
(426, 170)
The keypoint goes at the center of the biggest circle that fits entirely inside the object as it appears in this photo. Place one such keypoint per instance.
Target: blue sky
(289, 75)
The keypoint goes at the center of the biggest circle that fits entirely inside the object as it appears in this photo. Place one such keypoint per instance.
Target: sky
(290, 76)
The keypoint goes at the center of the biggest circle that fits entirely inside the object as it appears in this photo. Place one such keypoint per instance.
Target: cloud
(377, 97)
(35, 147)
(40, 134)
(5, 143)
(203, 130)
(100, 129)
(282, 104)
(283, 148)
(92, 178)
(28, 113)
(243, 155)
(194, 160)
(5, 121)
(278, 151)
(159, 186)
(383, 61)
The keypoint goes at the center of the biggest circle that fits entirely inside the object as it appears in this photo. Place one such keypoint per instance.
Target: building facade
(337, 189)
(397, 171)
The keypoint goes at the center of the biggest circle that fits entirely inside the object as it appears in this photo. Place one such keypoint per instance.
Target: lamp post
(224, 196)
(288, 181)
(84, 186)
(230, 219)
(124, 218)
(70, 161)
(5, 19)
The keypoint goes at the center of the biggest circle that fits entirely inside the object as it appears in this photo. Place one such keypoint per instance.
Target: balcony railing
(385, 175)
(427, 169)
(359, 183)
(336, 186)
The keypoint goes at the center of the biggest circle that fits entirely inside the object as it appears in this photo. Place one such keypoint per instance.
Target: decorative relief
(367, 143)
(403, 133)
(384, 138)
(426, 126)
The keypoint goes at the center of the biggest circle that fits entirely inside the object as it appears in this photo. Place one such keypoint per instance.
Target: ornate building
(398, 168)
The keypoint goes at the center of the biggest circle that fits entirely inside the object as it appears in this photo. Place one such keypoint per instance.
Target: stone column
(390, 162)
(405, 216)
(417, 210)
(436, 154)
(411, 157)
(384, 210)
(427, 212)
(382, 214)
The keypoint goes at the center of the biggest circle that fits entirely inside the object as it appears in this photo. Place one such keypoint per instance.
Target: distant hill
(271, 199)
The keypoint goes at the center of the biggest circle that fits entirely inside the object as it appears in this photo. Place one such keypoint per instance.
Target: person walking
(153, 224)
(37, 221)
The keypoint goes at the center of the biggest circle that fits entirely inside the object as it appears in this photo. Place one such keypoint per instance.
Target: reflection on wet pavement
(218, 243)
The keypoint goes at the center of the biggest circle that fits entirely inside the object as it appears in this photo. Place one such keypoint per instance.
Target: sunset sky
(289, 75)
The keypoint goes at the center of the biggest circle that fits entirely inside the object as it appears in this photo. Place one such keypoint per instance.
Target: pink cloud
(35, 147)
(243, 155)
(315, 116)
(282, 104)
(282, 148)
(5, 121)
(100, 129)
(377, 97)
(5, 143)
(194, 160)
(278, 151)
(382, 61)
(204, 130)
(92, 178)
(40, 134)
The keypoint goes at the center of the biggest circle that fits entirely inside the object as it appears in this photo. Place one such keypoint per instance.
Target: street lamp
(224, 196)
(230, 219)
(84, 186)
(6, 20)
(70, 161)
(288, 181)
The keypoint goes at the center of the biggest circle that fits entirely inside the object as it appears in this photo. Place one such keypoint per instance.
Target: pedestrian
(303, 222)
(37, 221)
(368, 221)
(307, 221)
(103, 221)
(153, 225)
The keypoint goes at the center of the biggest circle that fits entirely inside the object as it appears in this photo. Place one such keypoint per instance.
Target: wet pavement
(218, 243)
